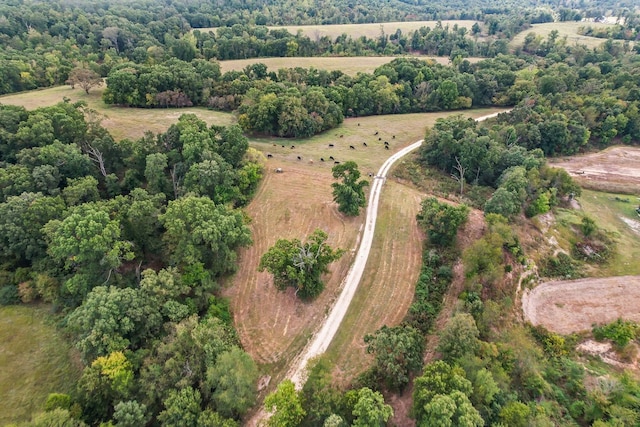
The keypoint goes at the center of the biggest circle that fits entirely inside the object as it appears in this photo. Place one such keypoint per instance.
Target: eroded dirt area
(614, 169)
(571, 306)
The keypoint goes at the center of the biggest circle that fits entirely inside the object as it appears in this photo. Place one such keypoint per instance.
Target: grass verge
(35, 359)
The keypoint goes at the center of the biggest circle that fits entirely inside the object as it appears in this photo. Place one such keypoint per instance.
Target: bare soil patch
(575, 305)
(616, 169)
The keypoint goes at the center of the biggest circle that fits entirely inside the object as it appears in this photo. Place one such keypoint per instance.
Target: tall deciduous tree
(350, 193)
(398, 352)
(85, 78)
(370, 409)
(459, 337)
(233, 380)
(199, 231)
(286, 406)
(441, 220)
(300, 265)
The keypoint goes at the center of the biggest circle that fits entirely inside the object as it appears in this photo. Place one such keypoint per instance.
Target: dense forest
(128, 240)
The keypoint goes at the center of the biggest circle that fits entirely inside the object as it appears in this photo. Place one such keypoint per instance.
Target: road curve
(321, 340)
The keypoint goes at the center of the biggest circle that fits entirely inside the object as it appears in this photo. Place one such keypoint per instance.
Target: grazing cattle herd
(334, 145)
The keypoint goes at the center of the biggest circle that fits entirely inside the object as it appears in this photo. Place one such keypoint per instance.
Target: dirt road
(575, 305)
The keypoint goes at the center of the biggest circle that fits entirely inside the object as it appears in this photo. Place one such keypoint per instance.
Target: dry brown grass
(350, 65)
(386, 291)
(121, 122)
(315, 32)
(565, 29)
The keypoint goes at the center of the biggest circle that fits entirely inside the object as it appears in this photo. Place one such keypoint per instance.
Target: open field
(616, 214)
(121, 122)
(350, 65)
(275, 326)
(575, 305)
(35, 361)
(568, 29)
(315, 32)
(615, 169)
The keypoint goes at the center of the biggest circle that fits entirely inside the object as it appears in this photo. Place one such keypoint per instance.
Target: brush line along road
(320, 341)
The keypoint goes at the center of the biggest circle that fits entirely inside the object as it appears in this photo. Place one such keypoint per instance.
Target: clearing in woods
(274, 326)
(121, 122)
(615, 169)
(35, 359)
(350, 65)
(564, 29)
(371, 31)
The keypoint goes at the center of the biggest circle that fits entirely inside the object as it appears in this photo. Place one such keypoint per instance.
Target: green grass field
(568, 29)
(35, 361)
(315, 32)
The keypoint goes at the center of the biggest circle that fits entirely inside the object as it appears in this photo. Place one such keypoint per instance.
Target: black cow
(322, 159)
(299, 158)
(293, 146)
(386, 147)
(331, 157)
(336, 163)
(352, 147)
(365, 144)
(375, 133)
(269, 156)
(330, 145)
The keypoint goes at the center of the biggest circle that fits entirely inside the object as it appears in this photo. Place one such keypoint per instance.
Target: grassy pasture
(35, 361)
(350, 65)
(616, 213)
(315, 32)
(568, 29)
(122, 122)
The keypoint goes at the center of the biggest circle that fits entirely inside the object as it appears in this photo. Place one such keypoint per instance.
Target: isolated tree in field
(286, 404)
(300, 265)
(350, 193)
(85, 78)
(441, 220)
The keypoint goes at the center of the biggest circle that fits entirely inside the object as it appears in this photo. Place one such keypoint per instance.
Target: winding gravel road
(321, 340)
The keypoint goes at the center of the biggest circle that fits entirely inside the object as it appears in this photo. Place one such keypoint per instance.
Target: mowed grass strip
(35, 359)
(564, 29)
(616, 214)
(122, 122)
(386, 290)
(374, 30)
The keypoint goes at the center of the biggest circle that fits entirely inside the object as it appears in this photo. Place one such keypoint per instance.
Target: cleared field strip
(565, 29)
(315, 32)
(350, 65)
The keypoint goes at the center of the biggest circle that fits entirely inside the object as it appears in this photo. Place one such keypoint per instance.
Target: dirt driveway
(575, 305)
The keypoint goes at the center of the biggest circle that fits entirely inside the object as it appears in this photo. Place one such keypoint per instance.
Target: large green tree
(233, 380)
(441, 220)
(398, 353)
(198, 230)
(350, 193)
(300, 265)
(286, 406)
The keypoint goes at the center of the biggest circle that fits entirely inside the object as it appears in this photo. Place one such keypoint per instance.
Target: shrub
(9, 295)
(619, 331)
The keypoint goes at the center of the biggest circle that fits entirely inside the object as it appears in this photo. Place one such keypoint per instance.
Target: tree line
(127, 241)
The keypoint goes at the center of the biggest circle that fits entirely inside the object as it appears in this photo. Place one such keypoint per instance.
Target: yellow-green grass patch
(565, 29)
(315, 32)
(122, 122)
(35, 359)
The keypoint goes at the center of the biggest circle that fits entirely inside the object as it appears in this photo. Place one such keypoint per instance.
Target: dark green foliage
(350, 193)
(300, 265)
(398, 353)
(9, 295)
(441, 220)
(620, 332)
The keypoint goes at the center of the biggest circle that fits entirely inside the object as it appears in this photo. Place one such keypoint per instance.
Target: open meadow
(564, 29)
(350, 65)
(122, 122)
(35, 359)
(315, 32)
